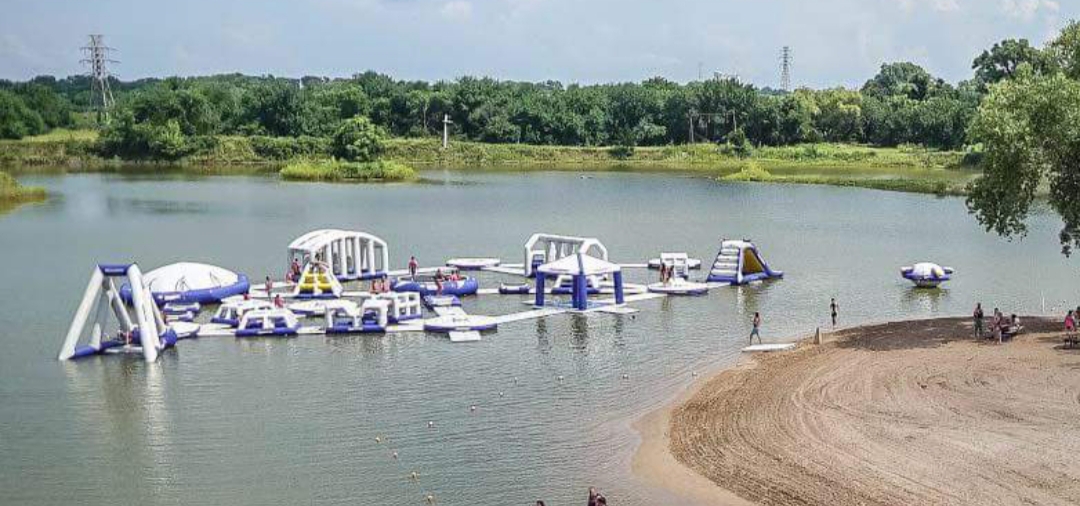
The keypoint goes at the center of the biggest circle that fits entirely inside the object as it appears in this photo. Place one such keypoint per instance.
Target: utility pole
(97, 57)
(699, 66)
(690, 119)
(785, 68)
(446, 130)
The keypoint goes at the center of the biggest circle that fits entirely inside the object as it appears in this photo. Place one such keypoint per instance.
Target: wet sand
(894, 414)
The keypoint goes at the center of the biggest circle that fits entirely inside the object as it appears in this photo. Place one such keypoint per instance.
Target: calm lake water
(283, 422)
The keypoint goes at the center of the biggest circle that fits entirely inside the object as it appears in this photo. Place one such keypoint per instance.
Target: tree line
(166, 118)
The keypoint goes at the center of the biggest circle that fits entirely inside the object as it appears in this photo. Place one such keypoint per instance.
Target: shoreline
(655, 461)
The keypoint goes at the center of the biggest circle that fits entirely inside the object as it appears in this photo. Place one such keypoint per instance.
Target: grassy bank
(12, 193)
(333, 170)
(753, 172)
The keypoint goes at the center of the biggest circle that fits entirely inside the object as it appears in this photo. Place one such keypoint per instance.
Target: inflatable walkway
(739, 263)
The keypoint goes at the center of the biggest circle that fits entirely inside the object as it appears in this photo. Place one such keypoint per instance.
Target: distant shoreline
(898, 413)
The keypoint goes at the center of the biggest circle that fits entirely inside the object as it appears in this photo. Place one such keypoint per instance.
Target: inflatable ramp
(739, 263)
(317, 282)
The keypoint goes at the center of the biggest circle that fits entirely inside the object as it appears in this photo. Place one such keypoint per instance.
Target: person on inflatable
(413, 265)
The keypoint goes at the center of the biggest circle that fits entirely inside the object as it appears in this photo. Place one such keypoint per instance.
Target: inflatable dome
(926, 274)
(191, 282)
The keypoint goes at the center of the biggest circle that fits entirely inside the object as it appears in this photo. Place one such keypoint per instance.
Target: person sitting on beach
(756, 331)
(977, 320)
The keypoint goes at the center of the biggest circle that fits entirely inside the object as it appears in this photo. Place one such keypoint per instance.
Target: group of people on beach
(1072, 323)
(1001, 326)
(595, 499)
(755, 330)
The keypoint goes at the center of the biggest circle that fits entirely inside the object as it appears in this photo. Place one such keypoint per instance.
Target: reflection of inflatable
(145, 333)
(191, 282)
(679, 286)
(472, 264)
(350, 255)
(230, 313)
(316, 282)
(927, 274)
(268, 322)
(460, 288)
(739, 263)
(548, 248)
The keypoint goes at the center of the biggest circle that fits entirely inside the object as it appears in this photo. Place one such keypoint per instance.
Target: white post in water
(446, 130)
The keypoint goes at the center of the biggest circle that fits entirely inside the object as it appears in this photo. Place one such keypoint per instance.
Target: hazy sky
(835, 42)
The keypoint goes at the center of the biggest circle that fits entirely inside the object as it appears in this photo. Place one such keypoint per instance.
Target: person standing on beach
(756, 331)
(834, 308)
(977, 318)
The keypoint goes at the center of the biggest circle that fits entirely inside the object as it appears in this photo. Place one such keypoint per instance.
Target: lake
(283, 422)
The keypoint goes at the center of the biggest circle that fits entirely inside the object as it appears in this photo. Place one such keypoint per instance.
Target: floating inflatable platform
(927, 274)
(460, 322)
(473, 264)
(769, 348)
(679, 287)
(187, 282)
(460, 288)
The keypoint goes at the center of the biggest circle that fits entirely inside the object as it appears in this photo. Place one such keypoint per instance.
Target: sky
(834, 42)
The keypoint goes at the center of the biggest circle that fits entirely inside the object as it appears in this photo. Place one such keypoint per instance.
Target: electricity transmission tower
(97, 58)
(785, 68)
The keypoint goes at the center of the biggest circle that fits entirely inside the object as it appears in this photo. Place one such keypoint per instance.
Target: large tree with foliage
(1030, 128)
(1004, 60)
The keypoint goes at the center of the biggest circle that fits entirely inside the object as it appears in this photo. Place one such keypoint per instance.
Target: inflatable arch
(350, 255)
(146, 332)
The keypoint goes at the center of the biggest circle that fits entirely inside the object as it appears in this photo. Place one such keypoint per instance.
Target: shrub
(359, 140)
(335, 170)
(621, 152)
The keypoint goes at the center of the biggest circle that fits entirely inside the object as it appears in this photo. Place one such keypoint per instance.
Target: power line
(97, 57)
(785, 68)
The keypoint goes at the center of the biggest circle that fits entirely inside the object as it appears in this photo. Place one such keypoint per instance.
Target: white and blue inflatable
(927, 274)
(188, 282)
(427, 286)
(740, 263)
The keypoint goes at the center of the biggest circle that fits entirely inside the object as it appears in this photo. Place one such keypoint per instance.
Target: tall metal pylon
(785, 68)
(97, 57)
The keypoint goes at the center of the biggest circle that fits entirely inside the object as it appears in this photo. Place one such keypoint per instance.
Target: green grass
(63, 135)
(753, 172)
(334, 170)
(13, 194)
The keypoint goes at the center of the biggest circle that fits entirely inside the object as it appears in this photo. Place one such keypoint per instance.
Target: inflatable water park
(340, 282)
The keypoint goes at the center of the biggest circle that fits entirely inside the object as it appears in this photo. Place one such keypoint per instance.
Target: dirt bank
(901, 413)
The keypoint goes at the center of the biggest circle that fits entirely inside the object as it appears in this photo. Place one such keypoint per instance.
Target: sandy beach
(893, 414)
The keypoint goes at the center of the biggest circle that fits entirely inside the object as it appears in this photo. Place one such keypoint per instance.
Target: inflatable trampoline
(460, 323)
(186, 282)
(473, 264)
(460, 288)
(679, 287)
(927, 274)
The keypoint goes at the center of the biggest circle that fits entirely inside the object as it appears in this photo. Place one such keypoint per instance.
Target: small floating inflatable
(927, 274)
(178, 308)
(352, 320)
(460, 323)
(434, 301)
(522, 289)
(679, 287)
(691, 263)
(191, 282)
(473, 264)
(460, 288)
(187, 316)
(268, 322)
(231, 312)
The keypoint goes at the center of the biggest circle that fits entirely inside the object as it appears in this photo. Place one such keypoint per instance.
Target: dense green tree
(902, 79)
(54, 109)
(16, 119)
(1004, 60)
(1065, 50)
(1030, 130)
(839, 115)
(359, 140)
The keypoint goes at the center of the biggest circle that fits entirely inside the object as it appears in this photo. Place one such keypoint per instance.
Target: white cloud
(910, 6)
(1028, 9)
(457, 9)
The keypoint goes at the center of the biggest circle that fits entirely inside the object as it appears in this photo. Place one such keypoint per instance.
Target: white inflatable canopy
(351, 255)
(579, 265)
(188, 276)
(552, 247)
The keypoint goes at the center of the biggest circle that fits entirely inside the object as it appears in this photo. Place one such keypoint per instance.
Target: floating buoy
(560, 377)
(472, 408)
(414, 476)
(625, 376)
(500, 394)
(395, 455)
(431, 425)
(430, 499)
(378, 439)
(515, 379)
(694, 374)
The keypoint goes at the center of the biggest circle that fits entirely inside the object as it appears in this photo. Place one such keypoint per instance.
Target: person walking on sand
(756, 331)
(413, 265)
(834, 308)
(977, 320)
(1070, 325)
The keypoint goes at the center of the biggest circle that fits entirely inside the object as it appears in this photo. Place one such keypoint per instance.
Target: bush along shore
(753, 172)
(341, 171)
(13, 194)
